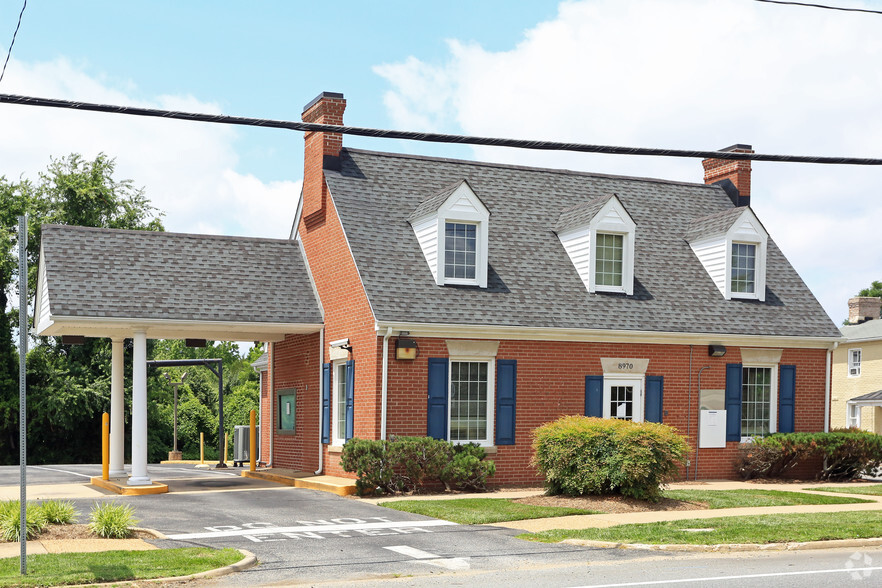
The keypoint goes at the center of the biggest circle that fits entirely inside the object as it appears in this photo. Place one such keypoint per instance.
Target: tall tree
(875, 289)
(67, 386)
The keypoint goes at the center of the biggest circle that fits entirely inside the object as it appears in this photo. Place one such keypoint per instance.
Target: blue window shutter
(436, 413)
(786, 398)
(506, 380)
(654, 392)
(350, 398)
(594, 396)
(733, 402)
(326, 403)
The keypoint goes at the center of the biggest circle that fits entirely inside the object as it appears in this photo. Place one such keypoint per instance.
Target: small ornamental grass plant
(10, 520)
(59, 512)
(112, 521)
(586, 455)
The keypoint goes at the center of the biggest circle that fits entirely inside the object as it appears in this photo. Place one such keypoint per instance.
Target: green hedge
(406, 464)
(844, 453)
(585, 455)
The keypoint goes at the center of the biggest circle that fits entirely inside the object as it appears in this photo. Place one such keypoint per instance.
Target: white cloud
(187, 169)
(688, 74)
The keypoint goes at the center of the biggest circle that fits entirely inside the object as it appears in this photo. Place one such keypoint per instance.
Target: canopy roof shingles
(109, 282)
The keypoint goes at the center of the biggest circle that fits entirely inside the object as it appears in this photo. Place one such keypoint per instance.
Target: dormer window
(452, 229)
(460, 250)
(731, 246)
(598, 236)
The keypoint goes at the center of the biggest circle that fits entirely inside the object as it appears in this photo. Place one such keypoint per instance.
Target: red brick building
(473, 302)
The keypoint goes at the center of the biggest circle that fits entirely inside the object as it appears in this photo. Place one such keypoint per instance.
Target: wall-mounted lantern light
(716, 350)
(405, 348)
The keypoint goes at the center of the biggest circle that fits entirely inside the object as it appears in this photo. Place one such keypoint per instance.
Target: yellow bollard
(252, 446)
(105, 446)
(226, 446)
(201, 448)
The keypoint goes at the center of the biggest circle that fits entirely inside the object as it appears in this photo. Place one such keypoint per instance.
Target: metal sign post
(22, 354)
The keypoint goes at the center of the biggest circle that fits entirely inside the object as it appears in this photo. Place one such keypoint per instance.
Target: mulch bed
(67, 532)
(611, 504)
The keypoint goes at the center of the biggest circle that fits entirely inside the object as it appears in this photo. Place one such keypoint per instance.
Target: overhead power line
(9, 53)
(824, 6)
(428, 137)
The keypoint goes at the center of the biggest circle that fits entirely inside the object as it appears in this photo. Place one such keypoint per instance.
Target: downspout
(321, 465)
(260, 414)
(827, 390)
(271, 392)
(384, 388)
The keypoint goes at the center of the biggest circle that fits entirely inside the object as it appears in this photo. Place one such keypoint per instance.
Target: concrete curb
(733, 547)
(248, 560)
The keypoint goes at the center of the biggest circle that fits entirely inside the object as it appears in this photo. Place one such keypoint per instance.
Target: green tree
(875, 289)
(68, 387)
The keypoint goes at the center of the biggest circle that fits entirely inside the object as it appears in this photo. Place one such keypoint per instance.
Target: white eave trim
(175, 329)
(604, 335)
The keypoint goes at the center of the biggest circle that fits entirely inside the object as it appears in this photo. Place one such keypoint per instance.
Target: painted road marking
(725, 578)
(62, 471)
(316, 527)
(450, 563)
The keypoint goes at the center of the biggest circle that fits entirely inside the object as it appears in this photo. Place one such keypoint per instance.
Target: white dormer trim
(715, 254)
(463, 207)
(42, 312)
(580, 244)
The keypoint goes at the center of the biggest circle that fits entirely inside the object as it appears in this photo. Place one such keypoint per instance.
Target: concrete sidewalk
(609, 520)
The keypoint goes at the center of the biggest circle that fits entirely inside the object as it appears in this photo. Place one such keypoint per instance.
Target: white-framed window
(854, 363)
(743, 268)
(853, 415)
(471, 400)
(460, 251)
(759, 401)
(338, 401)
(609, 260)
(623, 398)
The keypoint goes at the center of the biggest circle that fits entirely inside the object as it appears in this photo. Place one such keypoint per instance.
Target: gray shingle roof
(580, 214)
(865, 330)
(433, 202)
(711, 225)
(532, 282)
(868, 397)
(144, 274)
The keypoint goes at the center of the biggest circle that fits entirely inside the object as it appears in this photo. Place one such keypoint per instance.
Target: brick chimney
(731, 174)
(863, 308)
(321, 151)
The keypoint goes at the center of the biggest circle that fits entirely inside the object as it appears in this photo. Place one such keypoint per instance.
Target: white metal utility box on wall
(711, 419)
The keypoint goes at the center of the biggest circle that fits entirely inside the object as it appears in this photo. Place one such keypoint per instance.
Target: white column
(117, 410)
(139, 412)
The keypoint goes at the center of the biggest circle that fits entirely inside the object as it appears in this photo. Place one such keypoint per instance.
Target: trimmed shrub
(112, 520)
(467, 470)
(846, 454)
(407, 464)
(59, 512)
(10, 520)
(586, 455)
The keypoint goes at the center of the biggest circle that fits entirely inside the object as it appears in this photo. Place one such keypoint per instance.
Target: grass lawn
(477, 511)
(771, 528)
(56, 569)
(874, 489)
(755, 497)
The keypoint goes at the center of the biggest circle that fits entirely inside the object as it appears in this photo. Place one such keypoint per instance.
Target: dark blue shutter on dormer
(436, 412)
(506, 380)
(786, 398)
(594, 396)
(350, 398)
(326, 403)
(654, 393)
(733, 401)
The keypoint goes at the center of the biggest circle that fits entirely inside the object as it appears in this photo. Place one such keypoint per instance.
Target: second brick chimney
(321, 151)
(733, 175)
(863, 308)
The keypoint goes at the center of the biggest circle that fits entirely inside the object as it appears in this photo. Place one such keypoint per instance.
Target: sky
(685, 74)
